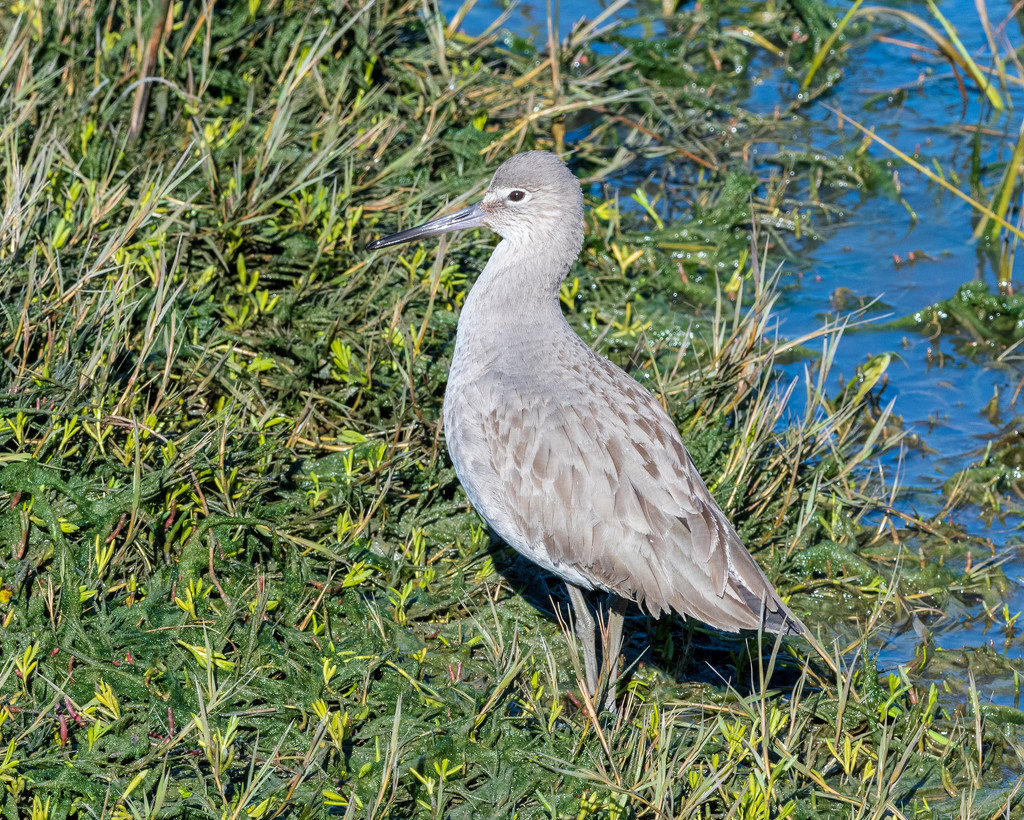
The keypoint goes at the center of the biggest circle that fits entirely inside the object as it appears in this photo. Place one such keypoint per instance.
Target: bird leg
(611, 644)
(611, 636)
(585, 632)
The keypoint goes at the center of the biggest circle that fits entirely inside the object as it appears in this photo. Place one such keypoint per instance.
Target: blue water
(941, 398)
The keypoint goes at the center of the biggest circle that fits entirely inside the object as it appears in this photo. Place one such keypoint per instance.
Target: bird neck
(516, 291)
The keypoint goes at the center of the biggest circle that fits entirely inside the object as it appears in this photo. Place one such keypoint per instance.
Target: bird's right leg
(585, 632)
(612, 635)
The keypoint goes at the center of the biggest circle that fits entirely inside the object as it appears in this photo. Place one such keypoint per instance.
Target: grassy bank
(238, 577)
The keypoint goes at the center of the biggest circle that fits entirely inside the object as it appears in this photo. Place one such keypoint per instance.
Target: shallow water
(943, 403)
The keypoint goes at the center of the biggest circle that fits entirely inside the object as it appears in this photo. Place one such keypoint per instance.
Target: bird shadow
(683, 650)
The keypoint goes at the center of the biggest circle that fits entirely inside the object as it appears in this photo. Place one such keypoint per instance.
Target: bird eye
(516, 196)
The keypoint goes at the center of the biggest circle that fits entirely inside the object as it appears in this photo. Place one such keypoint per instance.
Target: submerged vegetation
(238, 577)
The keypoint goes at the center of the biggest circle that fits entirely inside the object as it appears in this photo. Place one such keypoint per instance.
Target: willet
(568, 459)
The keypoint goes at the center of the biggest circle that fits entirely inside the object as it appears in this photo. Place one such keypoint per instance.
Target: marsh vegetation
(238, 577)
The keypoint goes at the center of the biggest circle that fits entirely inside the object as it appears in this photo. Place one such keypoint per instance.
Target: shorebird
(567, 458)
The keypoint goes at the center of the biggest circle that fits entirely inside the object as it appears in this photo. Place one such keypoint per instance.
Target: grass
(238, 576)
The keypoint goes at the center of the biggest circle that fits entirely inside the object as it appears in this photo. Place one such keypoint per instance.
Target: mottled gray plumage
(567, 458)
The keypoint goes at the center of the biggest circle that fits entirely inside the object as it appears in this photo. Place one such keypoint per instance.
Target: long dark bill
(471, 217)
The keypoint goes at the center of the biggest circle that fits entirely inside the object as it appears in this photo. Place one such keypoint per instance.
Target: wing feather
(608, 499)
